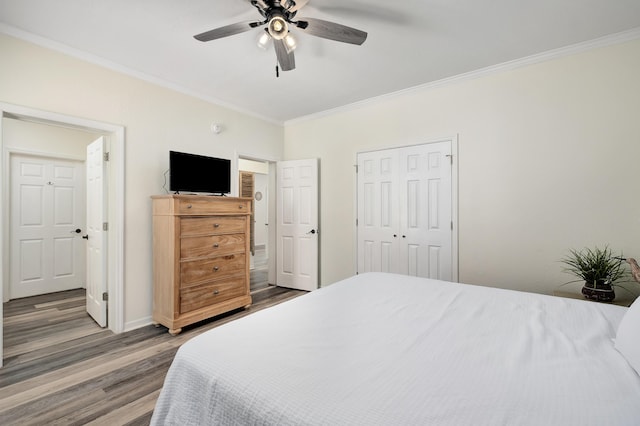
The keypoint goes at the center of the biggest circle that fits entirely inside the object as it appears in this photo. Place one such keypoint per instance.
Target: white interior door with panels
(47, 218)
(405, 217)
(297, 230)
(96, 240)
(378, 211)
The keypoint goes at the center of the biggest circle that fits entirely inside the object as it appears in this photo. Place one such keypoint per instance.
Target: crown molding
(561, 52)
(617, 38)
(97, 60)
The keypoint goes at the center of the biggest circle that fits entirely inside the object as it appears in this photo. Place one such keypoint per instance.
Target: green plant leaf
(595, 264)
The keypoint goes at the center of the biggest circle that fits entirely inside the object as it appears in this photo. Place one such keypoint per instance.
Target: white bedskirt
(383, 349)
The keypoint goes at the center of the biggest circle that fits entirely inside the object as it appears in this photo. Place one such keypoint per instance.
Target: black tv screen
(197, 173)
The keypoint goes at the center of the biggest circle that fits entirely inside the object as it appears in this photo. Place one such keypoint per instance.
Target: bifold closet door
(405, 211)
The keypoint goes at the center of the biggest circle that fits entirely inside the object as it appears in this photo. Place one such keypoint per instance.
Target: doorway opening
(254, 180)
(113, 197)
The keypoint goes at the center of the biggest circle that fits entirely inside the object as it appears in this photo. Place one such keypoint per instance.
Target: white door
(405, 211)
(378, 211)
(425, 200)
(47, 218)
(96, 241)
(297, 227)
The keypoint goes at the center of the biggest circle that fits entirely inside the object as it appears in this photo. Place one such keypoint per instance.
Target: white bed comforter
(382, 349)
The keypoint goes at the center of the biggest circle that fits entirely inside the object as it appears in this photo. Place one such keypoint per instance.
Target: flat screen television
(198, 173)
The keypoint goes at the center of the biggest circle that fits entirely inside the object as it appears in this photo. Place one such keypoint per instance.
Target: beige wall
(156, 120)
(548, 160)
(36, 138)
(548, 155)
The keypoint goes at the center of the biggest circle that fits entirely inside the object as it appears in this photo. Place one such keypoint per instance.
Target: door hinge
(105, 296)
(450, 158)
(356, 166)
(105, 226)
(106, 156)
(356, 222)
(452, 225)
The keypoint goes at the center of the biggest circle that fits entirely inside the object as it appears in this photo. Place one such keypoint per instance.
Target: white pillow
(628, 336)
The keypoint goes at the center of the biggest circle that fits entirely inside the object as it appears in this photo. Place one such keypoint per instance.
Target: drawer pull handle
(240, 206)
(215, 268)
(189, 206)
(216, 245)
(215, 292)
(216, 225)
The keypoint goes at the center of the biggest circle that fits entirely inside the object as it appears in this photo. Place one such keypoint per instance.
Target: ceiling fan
(278, 17)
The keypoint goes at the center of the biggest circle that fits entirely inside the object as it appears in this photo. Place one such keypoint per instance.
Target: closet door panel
(405, 211)
(425, 201)
(378, 212)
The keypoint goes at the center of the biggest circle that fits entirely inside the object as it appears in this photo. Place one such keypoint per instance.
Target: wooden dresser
(200, 258)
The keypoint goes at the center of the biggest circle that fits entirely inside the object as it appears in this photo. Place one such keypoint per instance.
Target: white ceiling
(410, 43)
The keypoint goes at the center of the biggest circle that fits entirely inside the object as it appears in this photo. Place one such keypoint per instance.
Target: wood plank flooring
(60, 368)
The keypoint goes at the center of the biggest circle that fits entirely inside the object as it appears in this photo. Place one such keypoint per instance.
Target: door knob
(313, 231)
(86, 237)
(77, 231)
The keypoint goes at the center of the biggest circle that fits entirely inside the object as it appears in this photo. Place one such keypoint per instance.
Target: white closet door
(405, 211)
(425, 198)
(378, 211)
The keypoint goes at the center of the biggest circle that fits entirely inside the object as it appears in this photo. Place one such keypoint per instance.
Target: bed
(383, 349)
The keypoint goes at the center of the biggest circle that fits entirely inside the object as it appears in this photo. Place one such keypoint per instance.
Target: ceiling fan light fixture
(263, 40)
(278, 14)
(278, 27)
(290, 43)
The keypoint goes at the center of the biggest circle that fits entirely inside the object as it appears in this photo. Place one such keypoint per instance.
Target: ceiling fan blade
(261, 5)
(367, 11)
(331, 30)
(286, 59)
(298, 4)
(227, 30)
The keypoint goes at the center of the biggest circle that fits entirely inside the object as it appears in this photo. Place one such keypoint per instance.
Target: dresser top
(197, 205)
(202, 197)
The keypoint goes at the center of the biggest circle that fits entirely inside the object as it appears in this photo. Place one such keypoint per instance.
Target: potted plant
(598, 268)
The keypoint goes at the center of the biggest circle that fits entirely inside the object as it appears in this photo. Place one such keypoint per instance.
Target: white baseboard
(142, 322)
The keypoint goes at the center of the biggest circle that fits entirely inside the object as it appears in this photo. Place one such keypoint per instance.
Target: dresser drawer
(212, 225)
(211, 245)
(204, 206)
(197, 271)
(209, 294)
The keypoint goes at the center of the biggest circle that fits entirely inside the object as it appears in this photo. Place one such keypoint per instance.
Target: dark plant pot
(601, 291)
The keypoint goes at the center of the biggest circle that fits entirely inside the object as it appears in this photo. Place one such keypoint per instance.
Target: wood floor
(60, 368)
